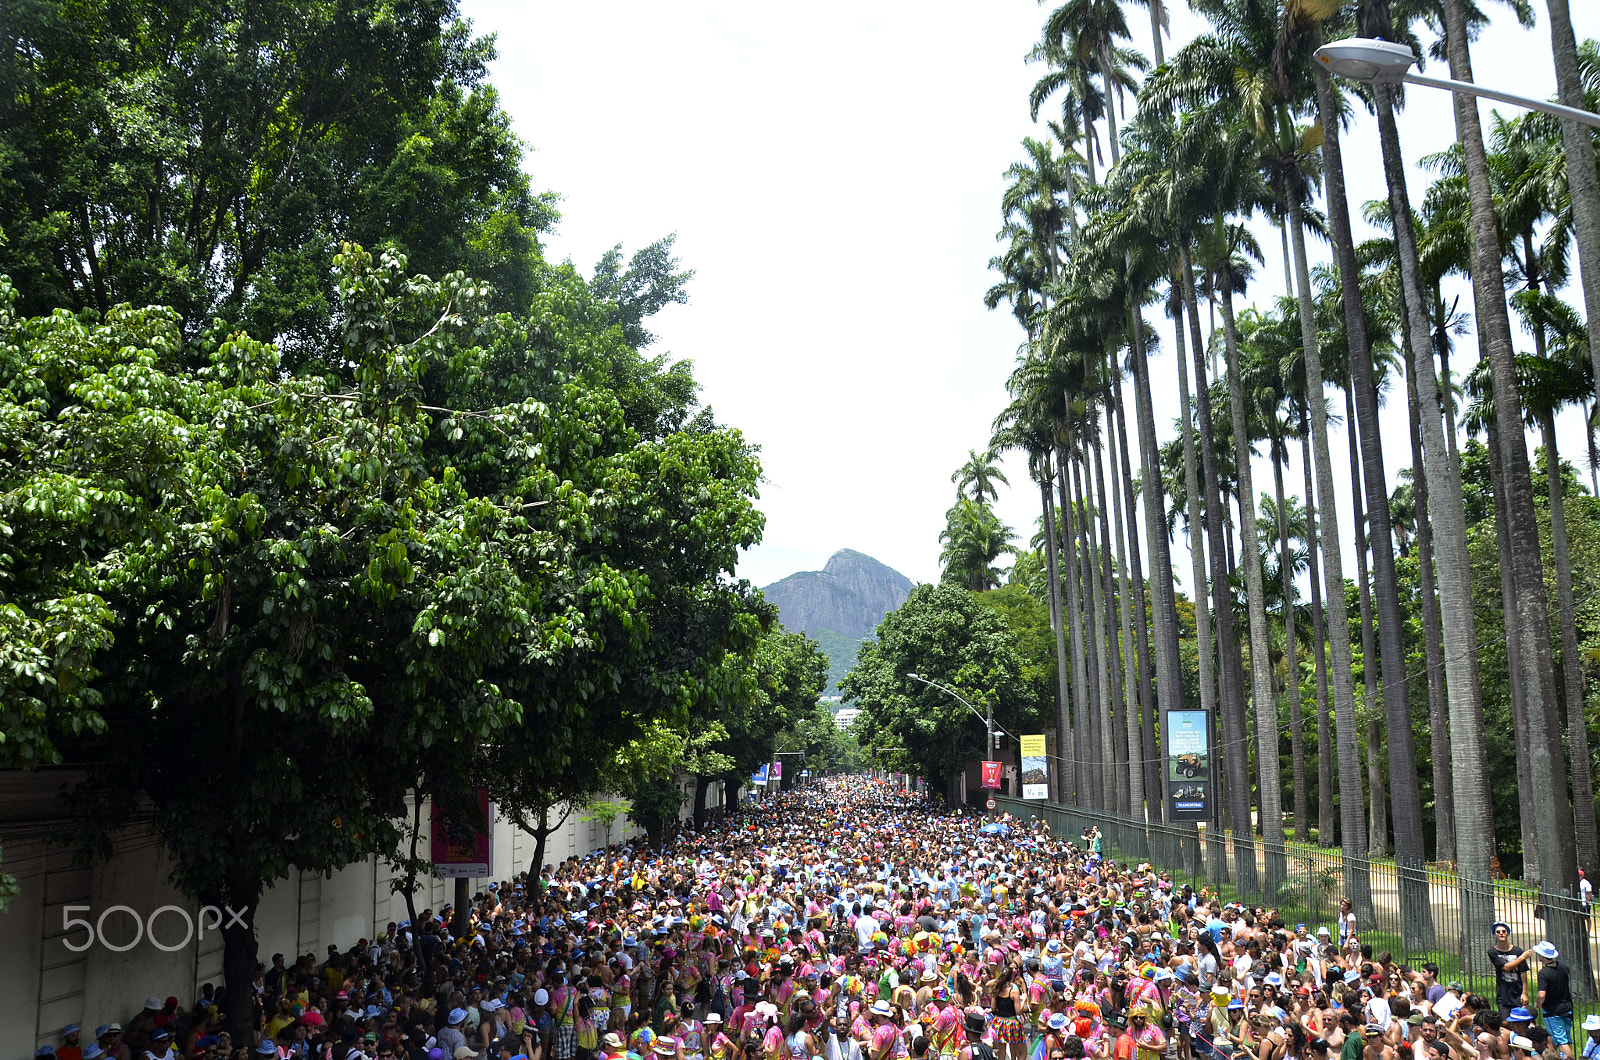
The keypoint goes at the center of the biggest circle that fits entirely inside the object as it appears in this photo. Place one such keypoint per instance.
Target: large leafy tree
(944, 633)
(306, 573)
(212, 156)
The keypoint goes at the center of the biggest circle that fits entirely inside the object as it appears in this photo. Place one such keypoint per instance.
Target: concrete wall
(44, 984)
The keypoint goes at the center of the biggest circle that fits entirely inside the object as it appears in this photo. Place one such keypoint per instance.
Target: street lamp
(987, 717)
(1376, 61)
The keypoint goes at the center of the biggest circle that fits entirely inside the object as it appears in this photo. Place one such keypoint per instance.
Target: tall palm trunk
(1319, 654)
(1291, 665)
(1216, 855)
(1130, 656)
(1094, 639)
(1571, 660)
(1080, 678)
(1149, 777)
(1526, 810)
(1377, 819)
(1064, 741)
(1547, 765)
(1232, 741)
(1582, 180)
(1353, 832)
(1444, 824)
(1268, 760)
(1113, 749)
(1116, 645)
(1164, 603)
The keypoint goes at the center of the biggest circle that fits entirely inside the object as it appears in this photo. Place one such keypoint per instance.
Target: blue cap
(1520, 1014)
(45, 1050)
(266, 1048)
(68, 1029)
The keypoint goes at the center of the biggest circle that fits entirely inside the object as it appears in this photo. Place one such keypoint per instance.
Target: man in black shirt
(1509, 970)
(1555, 997)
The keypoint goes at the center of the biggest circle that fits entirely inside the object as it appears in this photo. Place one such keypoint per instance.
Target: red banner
(991, 774)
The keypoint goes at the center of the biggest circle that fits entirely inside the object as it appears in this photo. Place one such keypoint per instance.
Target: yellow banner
(1033, 747)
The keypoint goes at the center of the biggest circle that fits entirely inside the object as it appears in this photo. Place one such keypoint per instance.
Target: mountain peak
(850, 595)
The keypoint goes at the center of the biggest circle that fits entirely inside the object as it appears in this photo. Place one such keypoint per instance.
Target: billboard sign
(991, 774)
(1189, 765)
(463, 847)
(759, 776)
(777, 772)
(1035, 768)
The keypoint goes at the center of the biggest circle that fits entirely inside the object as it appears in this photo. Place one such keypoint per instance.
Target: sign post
(1035, 768)
(991, 775)
(1189, 765)
(463, 848)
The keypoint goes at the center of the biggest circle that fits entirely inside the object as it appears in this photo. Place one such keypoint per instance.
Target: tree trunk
(702, 785)
(1353, 835)
(1063, 788)
(1553, 822)
(1583, 182)
(1571, 660)
(1149, 770)
(1268, 760)
(1078, 772)
(1519, 695)
(1216, 858)
(1405, 789)
(1125, 606)
(1291, 665)
(1231, 742)
(1319, 654)
(1113, 737)
(1444, 819)
(1094, 641)
(239, 952)
(1377, 819)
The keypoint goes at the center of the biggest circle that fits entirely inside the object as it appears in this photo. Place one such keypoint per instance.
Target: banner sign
(991, 774)
(777, 772)
(463, 847)
(1189, 764)
(1035, 768)
(759, 776)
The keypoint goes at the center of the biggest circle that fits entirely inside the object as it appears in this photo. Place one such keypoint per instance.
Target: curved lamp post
(1376, 61)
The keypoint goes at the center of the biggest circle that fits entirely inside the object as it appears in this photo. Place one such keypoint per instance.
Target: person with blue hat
(1555, 996)
(69, 1049)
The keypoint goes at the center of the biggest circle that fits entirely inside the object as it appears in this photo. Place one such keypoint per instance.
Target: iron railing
(1418, 913)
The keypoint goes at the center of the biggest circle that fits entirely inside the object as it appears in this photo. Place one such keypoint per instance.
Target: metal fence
(1417, 913)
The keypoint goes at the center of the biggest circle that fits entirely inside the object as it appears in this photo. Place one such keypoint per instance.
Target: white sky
(833, 172)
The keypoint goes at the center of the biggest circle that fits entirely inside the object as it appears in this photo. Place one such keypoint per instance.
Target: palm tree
(973, 538)
(979, 474)
(1553, 830)
(1561, 375)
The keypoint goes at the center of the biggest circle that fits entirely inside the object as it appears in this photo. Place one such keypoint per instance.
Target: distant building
(846, 717)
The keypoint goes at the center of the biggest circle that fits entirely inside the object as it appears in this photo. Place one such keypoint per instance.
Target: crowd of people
(851, 921)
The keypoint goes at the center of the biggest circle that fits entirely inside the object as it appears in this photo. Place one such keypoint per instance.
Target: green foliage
(841, 652)
(647, 286)
(973, 538)
(212, 157)
(948, 635)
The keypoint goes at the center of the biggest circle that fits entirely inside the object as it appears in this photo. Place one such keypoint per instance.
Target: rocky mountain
(839, 605)
(850, 595)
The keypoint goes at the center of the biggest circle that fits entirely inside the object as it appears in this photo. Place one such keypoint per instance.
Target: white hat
(881, 1007)
(1547, 950)
(1519, 1042)
(541, 996)
(1591, 1023)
